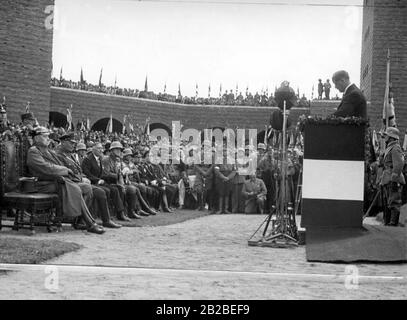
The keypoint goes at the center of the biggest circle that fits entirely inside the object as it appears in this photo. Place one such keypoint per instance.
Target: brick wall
(389, 32)
(25, 57)
(97, 106)
(323, 108)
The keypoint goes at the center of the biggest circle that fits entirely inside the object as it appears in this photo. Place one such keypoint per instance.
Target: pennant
(69, 117)
(81, 79)
(220, 91)
(165, 87)
(109, 127)
(146, 85)
(209, 91)
(27, 107)
(389, 117)
(196, 91)
(124, 124)
(265, 137)
(100, 78)
(179, 90)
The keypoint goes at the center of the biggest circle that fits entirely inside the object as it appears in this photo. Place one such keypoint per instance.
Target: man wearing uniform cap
(97, 199)
(392, 178)
(45, 164)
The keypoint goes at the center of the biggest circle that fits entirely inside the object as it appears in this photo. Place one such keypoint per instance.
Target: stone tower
(384, 27)
(26, 31)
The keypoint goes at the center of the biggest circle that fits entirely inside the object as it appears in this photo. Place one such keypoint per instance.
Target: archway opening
(101, 125)
(57, 119)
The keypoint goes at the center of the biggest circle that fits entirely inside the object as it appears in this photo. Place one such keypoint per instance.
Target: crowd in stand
(262, 99)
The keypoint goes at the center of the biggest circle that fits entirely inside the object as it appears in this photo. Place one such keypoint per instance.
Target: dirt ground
(203, 258)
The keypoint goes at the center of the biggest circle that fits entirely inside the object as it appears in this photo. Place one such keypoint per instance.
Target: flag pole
(386, 93)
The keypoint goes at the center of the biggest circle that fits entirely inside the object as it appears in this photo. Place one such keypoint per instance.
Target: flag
(389, 115)
(165, 87)
(115, 81)
(247, 91)
(312, 94)
(179, 90)
(87, 124)
(81, 79)
(375, 142)
(124, 124)
(209, 91)
(196, 91)
(109, 127)
(60, 75)
(27, 107)
(100, 78)
(265, 137)
(298, 92)
(146, 85)
(69, 117)
(220, 90)
(292, 139)
(237, 89)
(405, 141)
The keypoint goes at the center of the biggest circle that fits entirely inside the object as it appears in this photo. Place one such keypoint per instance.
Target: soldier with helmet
(392, 178)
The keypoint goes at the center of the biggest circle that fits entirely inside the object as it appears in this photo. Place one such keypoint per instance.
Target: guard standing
(392, 178)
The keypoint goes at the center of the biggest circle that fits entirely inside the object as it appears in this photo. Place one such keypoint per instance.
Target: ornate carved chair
(18, 192)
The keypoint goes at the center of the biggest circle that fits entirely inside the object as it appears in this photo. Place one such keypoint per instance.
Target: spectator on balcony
(327, 89)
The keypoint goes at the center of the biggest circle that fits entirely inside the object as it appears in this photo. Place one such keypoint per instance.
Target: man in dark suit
(92, 168)
(353, 102)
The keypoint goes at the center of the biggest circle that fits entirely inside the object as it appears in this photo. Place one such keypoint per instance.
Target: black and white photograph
(214, 152)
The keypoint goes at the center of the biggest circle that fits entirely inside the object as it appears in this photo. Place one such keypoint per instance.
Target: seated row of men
(95, 186)
(125, 185)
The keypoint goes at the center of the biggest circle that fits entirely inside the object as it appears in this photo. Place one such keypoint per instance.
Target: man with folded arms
(44, 164)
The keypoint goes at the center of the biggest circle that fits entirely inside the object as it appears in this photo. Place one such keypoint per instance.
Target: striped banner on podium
(333, 176)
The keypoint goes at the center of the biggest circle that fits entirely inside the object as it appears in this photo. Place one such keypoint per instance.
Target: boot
(394, 218)
(200, 202)
(146, 206)
(226, 211)
(134, 215)
(143, 213)
(165, 204)
(122, 217)
(221, 209)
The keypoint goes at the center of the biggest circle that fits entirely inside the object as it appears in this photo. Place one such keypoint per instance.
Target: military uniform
(392, 179)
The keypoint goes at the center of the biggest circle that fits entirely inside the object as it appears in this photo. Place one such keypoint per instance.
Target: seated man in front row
(44, 164)
(255, 191)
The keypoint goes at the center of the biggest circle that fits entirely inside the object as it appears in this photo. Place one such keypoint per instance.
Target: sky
(245, 43)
